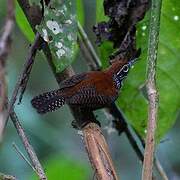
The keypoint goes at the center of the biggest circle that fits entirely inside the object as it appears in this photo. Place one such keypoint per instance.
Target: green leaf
(100, 11)
(80, 11)
(23, 23)
(59, 30)
(133, 99)
(60, 167)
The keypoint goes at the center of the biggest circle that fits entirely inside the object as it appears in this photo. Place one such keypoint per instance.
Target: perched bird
(92, 90)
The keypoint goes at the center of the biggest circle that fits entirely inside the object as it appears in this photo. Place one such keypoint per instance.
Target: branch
(5, 44)
(98, 152)
(22, 156)
(151, 89)
(94, 61)
(160, 169)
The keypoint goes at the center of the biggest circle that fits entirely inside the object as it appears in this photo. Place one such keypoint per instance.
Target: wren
(91, 90)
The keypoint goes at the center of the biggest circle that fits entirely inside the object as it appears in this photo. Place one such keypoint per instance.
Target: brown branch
(151, 89)
(5, 44)
(79, 116)
(98, 152)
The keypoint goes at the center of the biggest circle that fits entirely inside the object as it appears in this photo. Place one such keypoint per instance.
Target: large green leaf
(133, 99)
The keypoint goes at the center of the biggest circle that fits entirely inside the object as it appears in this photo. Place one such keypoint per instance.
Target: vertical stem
(151, 89)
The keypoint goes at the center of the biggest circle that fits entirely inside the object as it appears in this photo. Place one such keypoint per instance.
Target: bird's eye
(125, 68)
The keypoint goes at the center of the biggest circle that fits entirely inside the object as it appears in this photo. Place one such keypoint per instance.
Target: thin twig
(5, 44)
(23, 75)
(91, 50)
(160, 169)
(87, 56)
(30, 150)
(23, 156)
(151, 89)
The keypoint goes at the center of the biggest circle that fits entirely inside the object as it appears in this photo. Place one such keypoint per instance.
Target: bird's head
(122, 69)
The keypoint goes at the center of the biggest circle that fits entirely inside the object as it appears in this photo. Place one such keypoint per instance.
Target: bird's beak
(134, 59)
(132, 62)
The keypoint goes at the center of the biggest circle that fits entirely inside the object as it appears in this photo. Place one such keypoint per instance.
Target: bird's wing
(73, 80)
(89, 97)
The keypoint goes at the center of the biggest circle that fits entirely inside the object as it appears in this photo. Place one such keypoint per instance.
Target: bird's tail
(49, 101)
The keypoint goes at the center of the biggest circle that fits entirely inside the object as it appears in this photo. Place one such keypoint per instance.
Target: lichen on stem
(152, 89)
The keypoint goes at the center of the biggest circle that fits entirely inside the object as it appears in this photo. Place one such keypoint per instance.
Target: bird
(90, 90)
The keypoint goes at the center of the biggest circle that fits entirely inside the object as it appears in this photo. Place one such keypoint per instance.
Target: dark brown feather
(72, 81)
(49, 101)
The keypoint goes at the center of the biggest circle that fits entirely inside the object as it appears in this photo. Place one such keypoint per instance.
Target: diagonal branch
(23, 156)
(24, 75)
(151, 89)
(29, 149)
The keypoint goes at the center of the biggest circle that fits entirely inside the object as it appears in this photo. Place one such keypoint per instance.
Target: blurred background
(59, 146)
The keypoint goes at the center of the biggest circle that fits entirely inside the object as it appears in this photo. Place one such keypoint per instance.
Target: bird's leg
(118, 123)
(119, 126)
(80, 121)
